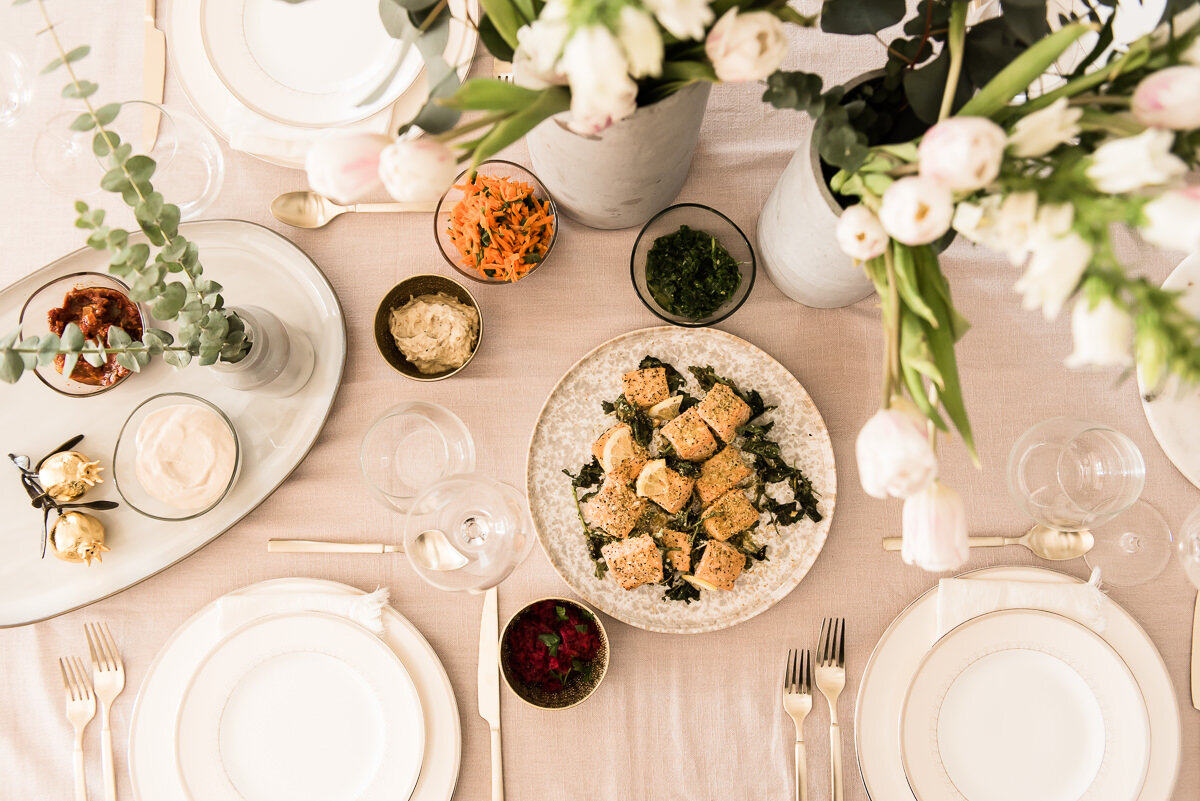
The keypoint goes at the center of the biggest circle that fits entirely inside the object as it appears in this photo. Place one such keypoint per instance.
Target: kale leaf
(638, 421)
(707, 378)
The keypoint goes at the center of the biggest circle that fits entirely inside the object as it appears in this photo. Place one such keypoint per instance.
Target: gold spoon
(1045, 542)
(307, 209)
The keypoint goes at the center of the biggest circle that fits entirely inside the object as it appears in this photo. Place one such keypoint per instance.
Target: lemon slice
(666, 410)
(618, 448)
(652, 481)
(700, 584)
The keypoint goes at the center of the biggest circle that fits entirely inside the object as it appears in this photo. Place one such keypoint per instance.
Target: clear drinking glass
(15, 87)
(1187, 547)
(189, 167)
(411, 446)
(1076, 476)
(485, 520)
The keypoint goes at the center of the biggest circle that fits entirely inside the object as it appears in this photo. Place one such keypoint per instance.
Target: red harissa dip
(550, 641)
(95, 309)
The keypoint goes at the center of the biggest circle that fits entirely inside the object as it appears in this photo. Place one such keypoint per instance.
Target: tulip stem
(891, 371)
(955, 40)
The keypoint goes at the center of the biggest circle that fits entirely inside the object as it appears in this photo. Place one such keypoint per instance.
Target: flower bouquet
(1038, 165)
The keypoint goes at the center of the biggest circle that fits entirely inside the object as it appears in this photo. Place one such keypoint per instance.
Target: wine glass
(411, 446)
(1078, 477)
(15, 87)
(487, 522)
(1187, 547)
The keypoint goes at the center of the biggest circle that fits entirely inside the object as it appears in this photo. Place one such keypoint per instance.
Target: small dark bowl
(577, 689)
(403, 292)
(700, 218)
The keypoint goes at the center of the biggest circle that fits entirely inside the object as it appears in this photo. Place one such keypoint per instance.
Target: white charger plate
(310, 64)
(1023, 703)
(153, 768)
(1173, 415)
(890, 669)
(257, 267)
(302, 706)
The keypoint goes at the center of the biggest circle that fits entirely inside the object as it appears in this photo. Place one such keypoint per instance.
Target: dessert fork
(797, 702)
(831, 679)
(81, 708)
(109, 677)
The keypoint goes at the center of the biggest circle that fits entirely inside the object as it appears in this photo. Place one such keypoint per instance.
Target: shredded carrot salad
(499, 228)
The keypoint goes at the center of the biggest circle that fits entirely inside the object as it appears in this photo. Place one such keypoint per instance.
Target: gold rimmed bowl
(558, 613)
(403, 292)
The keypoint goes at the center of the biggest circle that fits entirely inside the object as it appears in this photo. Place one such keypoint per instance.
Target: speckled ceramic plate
(572, 419)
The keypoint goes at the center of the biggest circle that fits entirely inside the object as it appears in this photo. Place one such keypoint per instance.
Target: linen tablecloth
(685, 718)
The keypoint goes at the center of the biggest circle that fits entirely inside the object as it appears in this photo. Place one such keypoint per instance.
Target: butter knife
(1196, 654)
(489, 685)
(154, 74)
(323, 546)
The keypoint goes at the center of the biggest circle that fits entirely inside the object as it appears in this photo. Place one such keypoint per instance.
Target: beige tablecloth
(680, 718)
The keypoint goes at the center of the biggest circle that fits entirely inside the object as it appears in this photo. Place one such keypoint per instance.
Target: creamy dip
(435, 332)
(186, 455)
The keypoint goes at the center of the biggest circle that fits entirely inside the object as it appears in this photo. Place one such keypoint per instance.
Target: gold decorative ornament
(77, 537)
(68, 475)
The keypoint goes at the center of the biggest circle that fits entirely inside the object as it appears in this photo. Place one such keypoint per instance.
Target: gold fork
(109, 678)
(797, 702)
(831, 679)
(81, 708)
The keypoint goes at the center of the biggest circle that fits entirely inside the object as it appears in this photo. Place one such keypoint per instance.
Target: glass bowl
(497, 168)
(34, 322)
(125, 459)
(409, 447)
(579, 686)
(412, 287)
(712, 222)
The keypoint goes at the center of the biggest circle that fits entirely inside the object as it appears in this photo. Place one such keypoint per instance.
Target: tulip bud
(935, 529)
(860, 235)
(964, 153)
(1173, 220)
(746, 46)
(916, 210)
(345, 167)
(894, 455)
(417, 169)
(1133, 162)
(1038, 133)
(1102, 333)
(1169, 98)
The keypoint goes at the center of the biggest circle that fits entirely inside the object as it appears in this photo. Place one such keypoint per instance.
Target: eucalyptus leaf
(48, 347)
(71, 57)
(72, 339)
(12, 367)
(107, 113)
(860, 16)
(141, 168)
(79, 91)
(84, 122)
(169, 301)
(177, 358)
(129, 362)
(30, 359)
(118, 339)
(95, 355)
(69, 362)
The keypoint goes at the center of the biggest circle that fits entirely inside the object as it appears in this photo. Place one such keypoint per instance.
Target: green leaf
(118, 339)
(129, 362)
(177, 358)
(156, 339)
(906, 282)
(560, 612)
(83, 122)
(1016, 77)
(71, 57)
(48, 346)
(69, 362)
(115, 181)
(72, 339)
(504, 17)
(141, 168)
(167, 305)
(800, 91)
(489, 94)
(12, 366)
(30, 360)
(1026, 19)
(688, 72)
(103, 143)
(552, 101)
(493, 41)
(95, 355)
(855, 17)
(107, 113)
(168, 221)
(81, 90)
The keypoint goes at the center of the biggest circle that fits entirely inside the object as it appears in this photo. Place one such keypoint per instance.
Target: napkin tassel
(368, 609)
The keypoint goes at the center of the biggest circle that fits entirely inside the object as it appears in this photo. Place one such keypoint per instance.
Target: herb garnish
(681, 466)
(772, 468)
(640, 424)
(707, 378)
(690, 273)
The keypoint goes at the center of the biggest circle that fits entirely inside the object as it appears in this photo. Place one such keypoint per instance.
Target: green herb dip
(689, 273)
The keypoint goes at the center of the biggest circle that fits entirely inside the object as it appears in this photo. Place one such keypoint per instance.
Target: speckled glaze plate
(572, 419)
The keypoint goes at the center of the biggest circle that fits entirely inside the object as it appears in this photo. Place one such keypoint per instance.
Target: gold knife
(489, 685)
(1196, 654)
(325, 546)
(154, 74)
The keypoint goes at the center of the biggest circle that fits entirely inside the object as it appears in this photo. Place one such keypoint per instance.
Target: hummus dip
(435, 333)
(186, 456)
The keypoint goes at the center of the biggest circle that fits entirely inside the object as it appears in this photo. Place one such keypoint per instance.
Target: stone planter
(280, 360)
(627, 173)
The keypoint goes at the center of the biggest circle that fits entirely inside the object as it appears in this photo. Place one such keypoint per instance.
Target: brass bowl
(577, 689)
(403, 292)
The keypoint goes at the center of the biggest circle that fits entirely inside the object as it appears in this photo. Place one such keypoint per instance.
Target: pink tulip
(935, 529)
(894, 455)
(1169, 98)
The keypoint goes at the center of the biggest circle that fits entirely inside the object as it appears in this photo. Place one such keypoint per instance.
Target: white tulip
(964, 153)
(1173, 220)
(1133, 162)
(417, 169)
(1045, 129)
(1169, 98)
(935, 529)
(641, 41)
(601, 90)
(345, 166)
(1053, 272)
(1103, 335)
(860, 235)
(541, 42)
(894, 454)
(916, 210)
(746, 47)
(684, 19)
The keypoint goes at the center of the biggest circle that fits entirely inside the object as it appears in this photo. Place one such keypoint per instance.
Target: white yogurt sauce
(185, 456)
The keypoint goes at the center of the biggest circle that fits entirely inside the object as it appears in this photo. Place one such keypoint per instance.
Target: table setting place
(272, 499)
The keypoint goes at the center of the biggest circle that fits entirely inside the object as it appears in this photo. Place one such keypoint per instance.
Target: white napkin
(366, 610)
(255, 134)
(959, 600)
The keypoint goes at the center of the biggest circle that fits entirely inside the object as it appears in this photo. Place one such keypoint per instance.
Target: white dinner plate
(153, 769)
(303, 706)
(893, 663)
(311, 64)
(1173, 415)
(1023, 703)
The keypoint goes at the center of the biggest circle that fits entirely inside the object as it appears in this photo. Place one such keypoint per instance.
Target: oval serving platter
(256, 266)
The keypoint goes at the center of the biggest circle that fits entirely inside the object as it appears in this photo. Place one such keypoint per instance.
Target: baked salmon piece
(634, 561)
(664, 486)
(679, 549)
(728, 515)
(615, 508)
(630, 457)
(724, 411)
(721, 565)
(690, 437)
(720, 474)
(645, 388)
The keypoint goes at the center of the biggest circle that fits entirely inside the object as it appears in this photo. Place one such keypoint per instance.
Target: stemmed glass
(15, 87)
(1187, 547)
(1078, 477)
(412, 446)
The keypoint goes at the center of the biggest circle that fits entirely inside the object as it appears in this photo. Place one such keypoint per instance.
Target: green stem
(457, 131)
(957, 36)
(891, 372)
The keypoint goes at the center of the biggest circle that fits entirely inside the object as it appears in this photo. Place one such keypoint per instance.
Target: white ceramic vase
(280, 360)
(628, 172)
